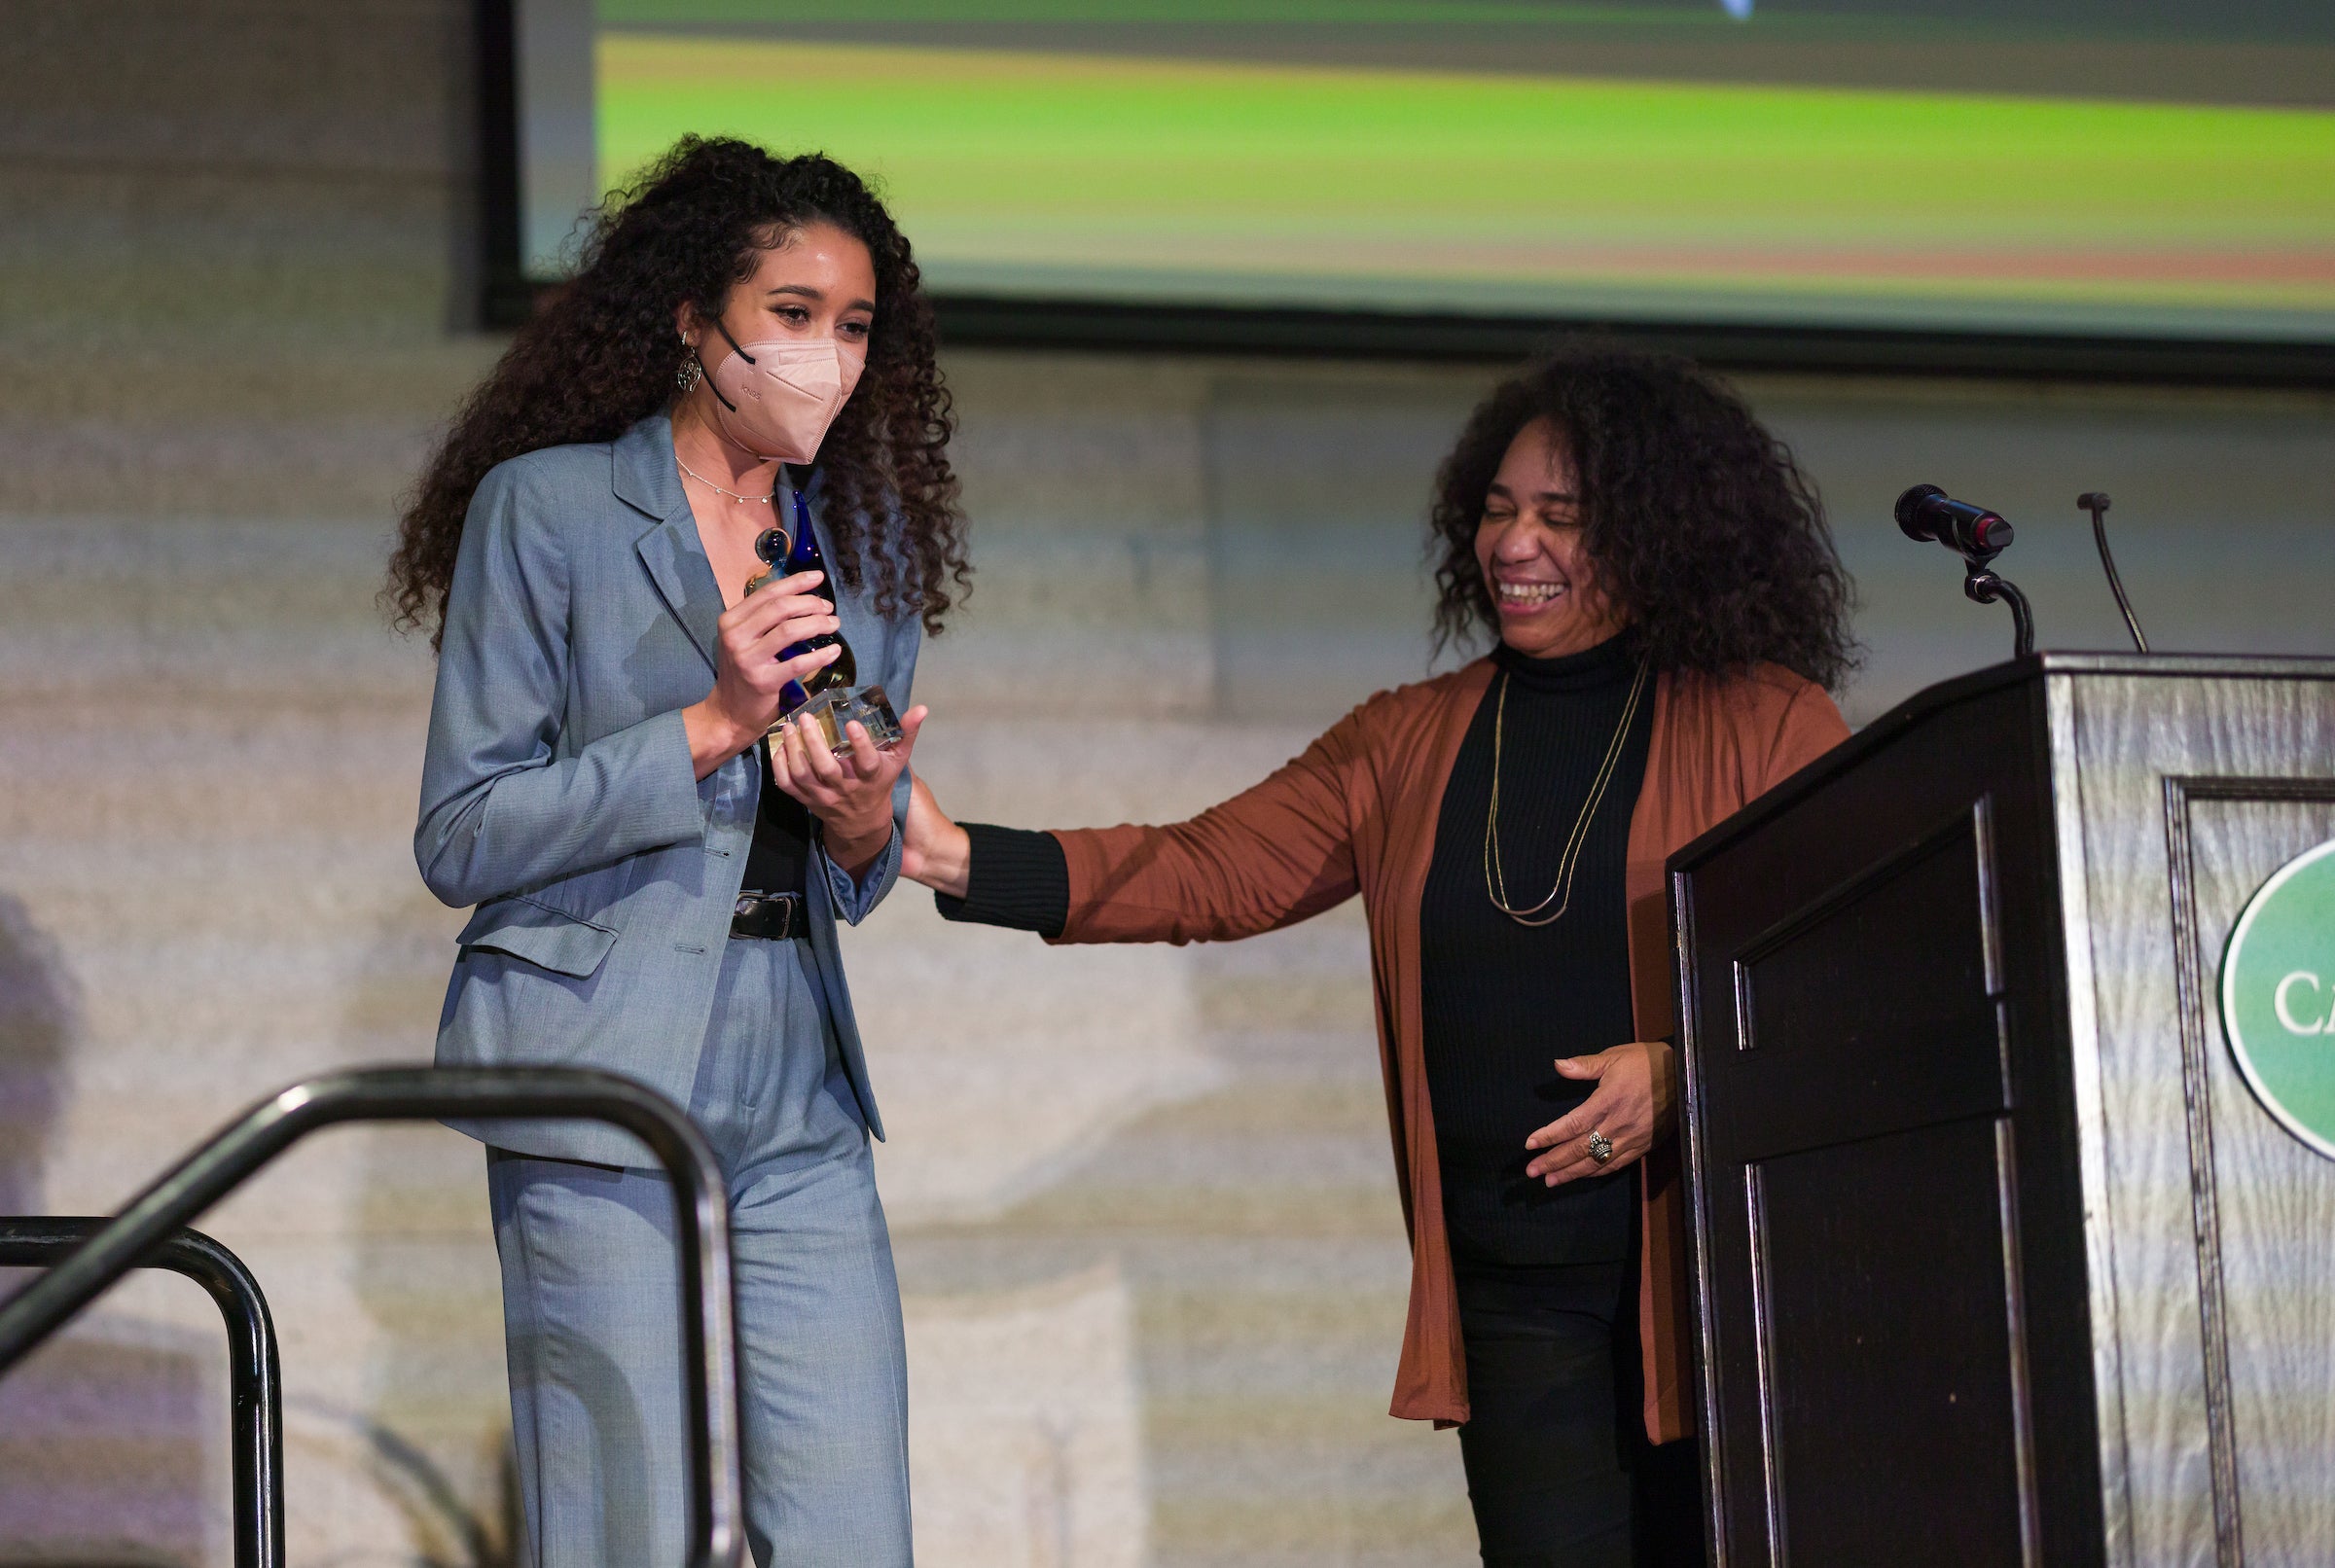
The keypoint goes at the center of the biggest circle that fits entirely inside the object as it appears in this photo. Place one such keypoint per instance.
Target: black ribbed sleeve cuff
(1014, 878)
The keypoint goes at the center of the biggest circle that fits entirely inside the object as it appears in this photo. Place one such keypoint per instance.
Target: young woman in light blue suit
(657, 887)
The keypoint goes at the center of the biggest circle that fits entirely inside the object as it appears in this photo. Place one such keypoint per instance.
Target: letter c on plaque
(2285, 1015)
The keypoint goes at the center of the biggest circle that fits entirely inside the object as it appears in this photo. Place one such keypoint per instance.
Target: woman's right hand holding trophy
(750, 677)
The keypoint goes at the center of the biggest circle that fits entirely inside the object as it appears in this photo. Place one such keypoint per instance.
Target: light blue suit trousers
(591, 1302)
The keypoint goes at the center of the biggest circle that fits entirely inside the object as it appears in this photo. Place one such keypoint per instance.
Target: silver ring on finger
(1601, 1147)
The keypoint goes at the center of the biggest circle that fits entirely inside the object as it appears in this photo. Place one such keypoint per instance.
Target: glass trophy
(831, 697)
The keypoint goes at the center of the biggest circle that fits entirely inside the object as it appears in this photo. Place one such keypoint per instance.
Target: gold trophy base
(825, 715)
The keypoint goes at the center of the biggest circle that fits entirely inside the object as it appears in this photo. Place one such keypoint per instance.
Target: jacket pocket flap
(547, 937)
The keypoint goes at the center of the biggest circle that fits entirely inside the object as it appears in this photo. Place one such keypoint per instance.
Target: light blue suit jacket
(558, 794)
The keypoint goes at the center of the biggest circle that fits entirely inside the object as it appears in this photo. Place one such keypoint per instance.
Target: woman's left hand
(1630, 1106)
(850, 794)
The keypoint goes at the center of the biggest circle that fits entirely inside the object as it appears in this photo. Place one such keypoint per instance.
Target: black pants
(1559, 1468)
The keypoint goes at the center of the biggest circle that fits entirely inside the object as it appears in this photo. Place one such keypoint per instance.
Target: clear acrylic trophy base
(826, 714)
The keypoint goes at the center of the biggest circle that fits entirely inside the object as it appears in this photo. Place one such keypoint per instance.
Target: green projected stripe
(1181, 13)
(1132, 176)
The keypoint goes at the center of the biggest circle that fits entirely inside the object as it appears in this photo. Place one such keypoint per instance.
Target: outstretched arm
(1271, 855)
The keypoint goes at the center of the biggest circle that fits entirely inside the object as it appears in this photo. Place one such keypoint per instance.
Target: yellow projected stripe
(1099, 168)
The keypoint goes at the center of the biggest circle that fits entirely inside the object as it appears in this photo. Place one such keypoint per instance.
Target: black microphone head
(1926, 511)
(1911, 512)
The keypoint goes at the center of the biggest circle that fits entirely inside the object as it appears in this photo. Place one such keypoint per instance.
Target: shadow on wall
(433, 1439)
(37, 1006)
(109, 1435)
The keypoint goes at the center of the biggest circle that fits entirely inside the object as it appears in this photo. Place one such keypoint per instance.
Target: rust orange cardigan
(1356, 813)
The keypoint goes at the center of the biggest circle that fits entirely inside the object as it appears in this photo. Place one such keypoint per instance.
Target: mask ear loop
(710, 386)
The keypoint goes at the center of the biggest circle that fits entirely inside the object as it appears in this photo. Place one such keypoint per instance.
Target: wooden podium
(1998, 1257)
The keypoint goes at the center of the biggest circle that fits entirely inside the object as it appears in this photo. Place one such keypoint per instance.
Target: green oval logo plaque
(2278, 996)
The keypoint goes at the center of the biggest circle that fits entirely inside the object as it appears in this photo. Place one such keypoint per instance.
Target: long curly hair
(603, 354)
(1701, 526)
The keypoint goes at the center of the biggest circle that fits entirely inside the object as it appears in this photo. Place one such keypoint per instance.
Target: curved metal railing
(255, 1385)
(143, 1232)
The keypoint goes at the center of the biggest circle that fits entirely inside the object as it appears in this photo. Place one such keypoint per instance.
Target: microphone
(1926, 511)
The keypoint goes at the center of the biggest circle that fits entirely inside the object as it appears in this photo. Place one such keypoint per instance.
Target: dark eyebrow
(804, 291)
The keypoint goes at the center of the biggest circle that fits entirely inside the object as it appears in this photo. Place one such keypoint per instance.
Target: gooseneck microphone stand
(1984, 584)
(1925, 511)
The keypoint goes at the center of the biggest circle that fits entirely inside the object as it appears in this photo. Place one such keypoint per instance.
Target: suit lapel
(676, 561)
(645, 477)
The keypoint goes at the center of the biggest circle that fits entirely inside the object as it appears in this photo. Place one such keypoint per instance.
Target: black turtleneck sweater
(1502, 1000)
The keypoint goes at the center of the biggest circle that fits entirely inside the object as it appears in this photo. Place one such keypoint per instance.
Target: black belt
(770, 917)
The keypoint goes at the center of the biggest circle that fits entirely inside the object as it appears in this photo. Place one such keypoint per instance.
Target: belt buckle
(766, 917)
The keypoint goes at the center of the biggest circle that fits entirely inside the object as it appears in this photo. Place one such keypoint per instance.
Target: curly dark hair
(1703, 527)
(603, 354)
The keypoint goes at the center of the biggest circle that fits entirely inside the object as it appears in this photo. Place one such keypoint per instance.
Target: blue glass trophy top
(831, 698)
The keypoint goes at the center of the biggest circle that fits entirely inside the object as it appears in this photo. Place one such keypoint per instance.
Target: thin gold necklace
(1496, 879)
(759, 500)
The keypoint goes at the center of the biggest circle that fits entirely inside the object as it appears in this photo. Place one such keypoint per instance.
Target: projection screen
(2074, 167)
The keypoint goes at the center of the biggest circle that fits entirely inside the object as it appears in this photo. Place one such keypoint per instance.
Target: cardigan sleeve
(1810, 726)
(1273, 855)
(1016, 879)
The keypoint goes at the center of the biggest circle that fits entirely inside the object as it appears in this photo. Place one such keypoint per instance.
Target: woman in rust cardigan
(1668, 613)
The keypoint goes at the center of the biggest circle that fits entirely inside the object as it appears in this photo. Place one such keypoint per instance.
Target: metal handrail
(255, 1384)
(231, 1155)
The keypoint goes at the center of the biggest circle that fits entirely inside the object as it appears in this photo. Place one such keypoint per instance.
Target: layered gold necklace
(1496, 879)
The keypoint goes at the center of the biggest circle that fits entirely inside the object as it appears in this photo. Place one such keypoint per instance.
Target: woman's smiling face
(1528, 547)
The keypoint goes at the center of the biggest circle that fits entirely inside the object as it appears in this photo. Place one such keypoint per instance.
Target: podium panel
(1998, 1259)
